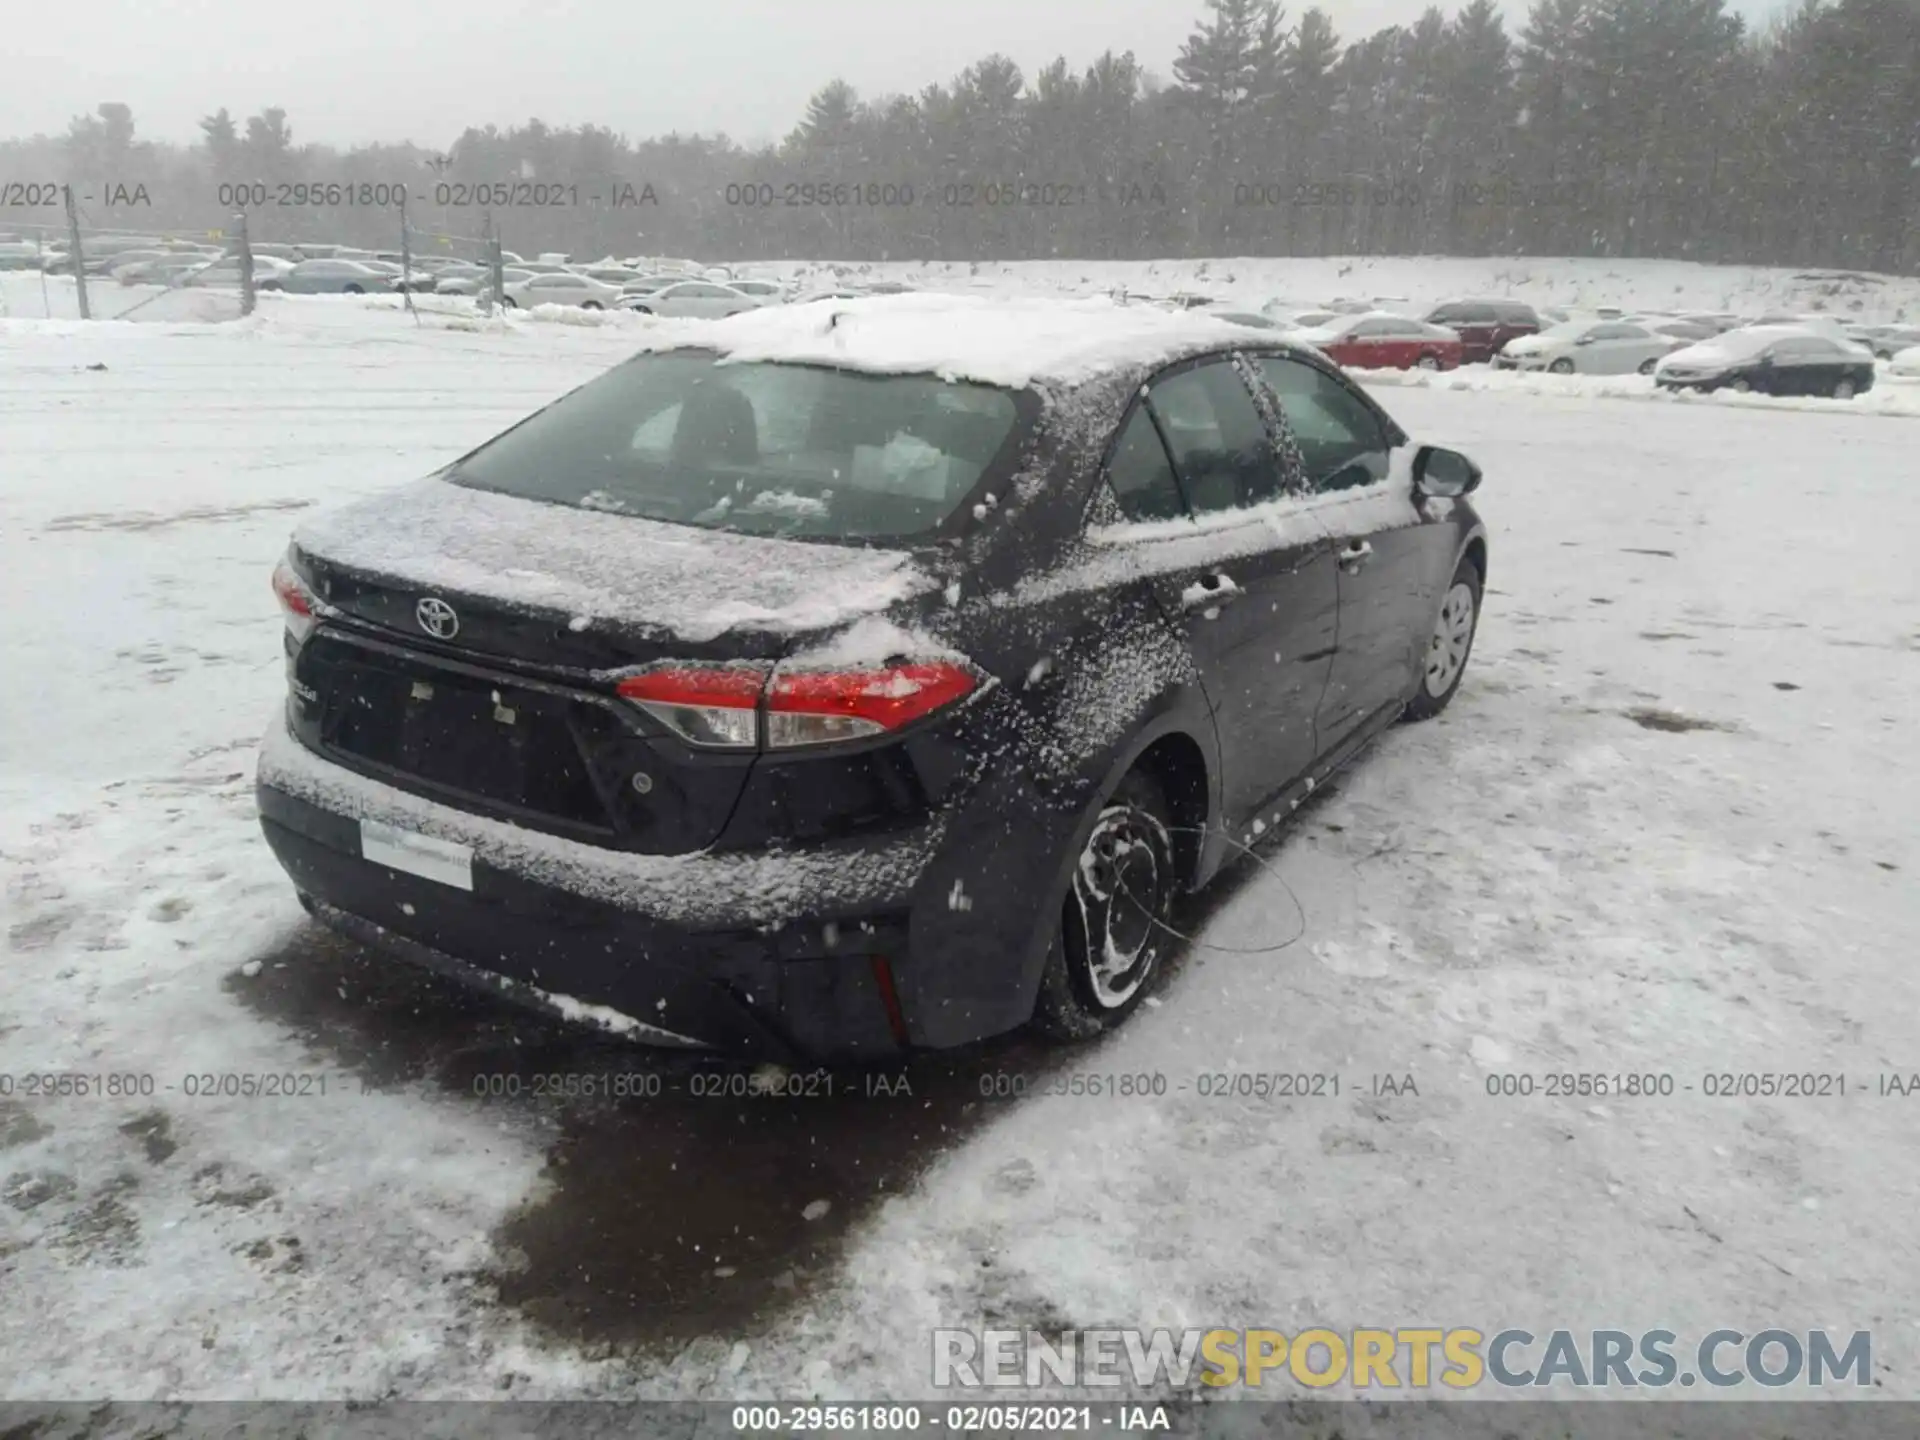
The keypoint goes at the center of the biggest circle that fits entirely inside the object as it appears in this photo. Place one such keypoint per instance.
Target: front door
(1388, 563)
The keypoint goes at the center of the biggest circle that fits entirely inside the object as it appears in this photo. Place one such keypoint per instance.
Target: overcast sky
(357, 71)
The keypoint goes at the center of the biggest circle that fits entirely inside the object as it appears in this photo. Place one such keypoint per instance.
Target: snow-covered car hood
(693, 583)
(1906, 362)
(1530, 345)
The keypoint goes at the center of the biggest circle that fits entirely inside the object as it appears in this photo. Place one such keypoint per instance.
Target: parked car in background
(856, 817)
(1484, 326)
(399, 277)
(1687, 332)
(1589, 347)
(472, 283)
(1379, 341)
(614, 275)
(766, 290)
(1905, 364)
(1312, 319)
(1237, 315)
(1770, 359)
(694, 299)
(1820, 324)
(1889, 340)
(224, 274)
(163, 271)
(21, 255)
(336, 277)
(562, 288)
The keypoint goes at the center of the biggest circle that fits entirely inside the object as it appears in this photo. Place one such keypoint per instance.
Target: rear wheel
(1429, 361)
(1449, 645)
(1843, 389)
(1562, 366)
(1646, 367)
(1743, 385)
(352, 290)
(589, 304)
(1112, 933)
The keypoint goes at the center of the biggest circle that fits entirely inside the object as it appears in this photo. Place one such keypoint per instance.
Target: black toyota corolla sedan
(862, 676)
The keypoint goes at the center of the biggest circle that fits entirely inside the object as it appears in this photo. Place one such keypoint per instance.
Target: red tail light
(718, 707)
(296, 601)
(711, 707)
(817, 707)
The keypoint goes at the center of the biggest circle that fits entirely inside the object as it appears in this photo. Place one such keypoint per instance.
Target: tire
(1130, 843)
(507, 302)
(591, 305)
(351, 290)
(1562, 366)
(1646, 367)
(640, 309)
(1450, 645)
(1428, 362)
(1843, 389)
(1742, 386)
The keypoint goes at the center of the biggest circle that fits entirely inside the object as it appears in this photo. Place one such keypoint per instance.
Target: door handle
(1355, 555)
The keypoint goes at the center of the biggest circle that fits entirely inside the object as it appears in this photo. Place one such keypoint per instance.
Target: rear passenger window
(1220, 446)
(1140, 474)
(1342, 443)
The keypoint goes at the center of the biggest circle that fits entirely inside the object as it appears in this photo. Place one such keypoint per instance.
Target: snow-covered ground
(1667, 827)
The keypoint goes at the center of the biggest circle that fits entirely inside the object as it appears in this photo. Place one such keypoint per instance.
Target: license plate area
(430, 858)
(464, 734)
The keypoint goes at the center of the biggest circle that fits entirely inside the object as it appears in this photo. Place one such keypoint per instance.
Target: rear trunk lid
(476, 639)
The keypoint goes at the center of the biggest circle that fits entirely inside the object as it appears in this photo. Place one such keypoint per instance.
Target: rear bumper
(770, 954)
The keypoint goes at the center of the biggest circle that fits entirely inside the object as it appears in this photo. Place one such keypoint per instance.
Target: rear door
(1389, 570)
(1254, 595)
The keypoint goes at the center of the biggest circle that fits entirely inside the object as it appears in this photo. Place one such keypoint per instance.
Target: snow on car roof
(1010, 342)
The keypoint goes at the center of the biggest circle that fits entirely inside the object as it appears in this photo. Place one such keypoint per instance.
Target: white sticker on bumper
(417, 854)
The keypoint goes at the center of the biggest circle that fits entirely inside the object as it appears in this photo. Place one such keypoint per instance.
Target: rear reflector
(817, 707)
(711, 707)
(890, 1001)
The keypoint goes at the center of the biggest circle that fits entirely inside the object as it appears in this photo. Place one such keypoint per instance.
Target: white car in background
(562, 287)
(767, 291)
(1590, 347)
(1905, 365)
(1887, 341)
(696, 300)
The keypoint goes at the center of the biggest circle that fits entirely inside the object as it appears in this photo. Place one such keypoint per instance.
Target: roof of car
(1011, 342)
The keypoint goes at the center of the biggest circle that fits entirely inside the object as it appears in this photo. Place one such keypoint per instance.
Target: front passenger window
(1342, 443)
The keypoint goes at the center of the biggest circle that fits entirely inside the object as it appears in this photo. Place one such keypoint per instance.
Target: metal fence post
(245, 256)
(76, 257)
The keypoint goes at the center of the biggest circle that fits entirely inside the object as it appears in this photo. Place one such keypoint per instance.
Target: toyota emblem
(436, 617)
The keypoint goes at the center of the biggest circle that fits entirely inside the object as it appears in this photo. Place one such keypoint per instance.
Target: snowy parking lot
(1668, 829)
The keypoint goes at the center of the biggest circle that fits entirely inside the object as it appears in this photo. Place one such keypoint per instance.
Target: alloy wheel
(1123, 887)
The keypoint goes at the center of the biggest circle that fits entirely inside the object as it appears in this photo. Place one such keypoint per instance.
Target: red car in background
(1378, 341)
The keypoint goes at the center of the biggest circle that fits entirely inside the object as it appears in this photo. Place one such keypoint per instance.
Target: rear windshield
(793, 450)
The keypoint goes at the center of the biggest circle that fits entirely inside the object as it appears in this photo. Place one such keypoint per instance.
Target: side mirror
(1584, 340)
(1443, 474)
(1765, 361)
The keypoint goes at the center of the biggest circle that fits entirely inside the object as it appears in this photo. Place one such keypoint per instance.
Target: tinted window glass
(793, 450)
(1341, 440)
(1140, 474)
(1220, 446)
